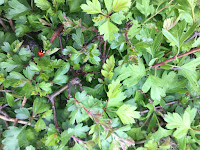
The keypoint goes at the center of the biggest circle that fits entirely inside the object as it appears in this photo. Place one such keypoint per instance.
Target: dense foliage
(116, 74)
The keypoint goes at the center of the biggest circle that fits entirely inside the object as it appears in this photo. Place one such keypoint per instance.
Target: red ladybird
(41, 53)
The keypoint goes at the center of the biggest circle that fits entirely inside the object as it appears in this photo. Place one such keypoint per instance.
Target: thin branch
(6, 105)
(107, 52)
(11, 24)
(4, 26)
(91, 41)
(158, 12)
(196, 33)
(173, 58)
(56, 33)
(5, 90)
(13, 120)
(53, 96)
(104, 52)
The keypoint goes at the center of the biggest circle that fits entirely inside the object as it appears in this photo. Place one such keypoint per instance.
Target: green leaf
(22, 113)
(34, 67)
(136, 134)
(186, 35)
(43, 4)
(25, 54)
(115, 95)
(108, 4)
(134, 30)
(9, 65)
(53, 137)
(156, 42)
(10, 99)
(48, 115)
(30, 147)
(40, 106)
(65, 136)
(28, 73)
(79, 130)
(108, 68)
(74, 5)
(173, 83)
(16, 9)
(45, 86)
(127, 114)
(78, 38)
(182, 124)
(144, 7)
(1, 2)
(60, 77)
(188, 70)
(40, 125)
(11, 140)
(108, 29)
(160, 133)
(132, 73)
(119, 5)
(21, 30)
(157, 86)
(170, 37)
(117, 17)
(93, 7)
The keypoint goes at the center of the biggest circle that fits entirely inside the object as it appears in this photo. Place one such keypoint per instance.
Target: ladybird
(41, 53)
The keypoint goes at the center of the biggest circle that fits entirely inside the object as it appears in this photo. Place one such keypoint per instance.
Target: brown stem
(52, 97)
(11, 24)
(4, 26)
(107, 52)
(173, 58)
(56, 33)
(5, 90)
(104, 52)
(8, 104)
(196, 33)
(13, 120)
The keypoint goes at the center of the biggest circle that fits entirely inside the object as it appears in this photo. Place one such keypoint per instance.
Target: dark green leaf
(40, 106)
(10, 99)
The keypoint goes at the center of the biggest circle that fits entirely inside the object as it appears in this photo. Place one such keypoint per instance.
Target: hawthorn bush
(116, 74)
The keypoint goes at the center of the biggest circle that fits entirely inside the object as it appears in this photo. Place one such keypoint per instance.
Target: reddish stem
(56, 33)
(171, 59)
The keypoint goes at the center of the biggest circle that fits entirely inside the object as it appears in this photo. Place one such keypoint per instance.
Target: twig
(61, 45)
(196, 33)
(56, 33)
(11, 24)
(171, 59)
(8, 104)
(53, 96)
(22, 105)
(158, 12)
(4, 26)
(13, 120)
(91, 41)
(5, 91)
(104, 52)
(107, 52)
